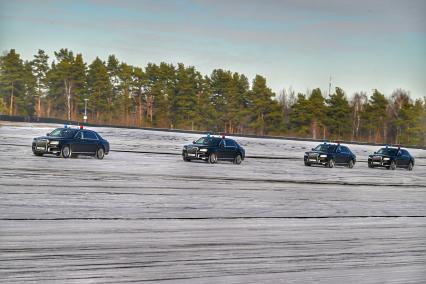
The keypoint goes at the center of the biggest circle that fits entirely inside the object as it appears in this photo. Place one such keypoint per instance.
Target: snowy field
(145, 215)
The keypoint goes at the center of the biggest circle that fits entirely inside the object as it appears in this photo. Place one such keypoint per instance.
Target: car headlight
(203, 150)
(323, 156)
(386, 159)
(54, 142)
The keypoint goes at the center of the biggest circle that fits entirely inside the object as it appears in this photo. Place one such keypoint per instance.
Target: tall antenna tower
(329, 86)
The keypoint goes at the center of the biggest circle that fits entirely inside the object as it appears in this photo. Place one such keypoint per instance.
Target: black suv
(329, 155)
(70, 142)
(211, 149)
(391, 158)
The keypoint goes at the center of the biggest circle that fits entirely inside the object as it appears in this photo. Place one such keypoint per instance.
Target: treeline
(178, 96)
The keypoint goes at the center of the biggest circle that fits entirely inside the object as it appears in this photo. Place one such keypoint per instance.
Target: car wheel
(330, 163)
(351, 164)
(410, 166)
(185, 157)
(66, 152)
(38, 154)
(237, 159)
(370, 165)
(212, 158)
(392, 165)
(307, 164)
(100, 154)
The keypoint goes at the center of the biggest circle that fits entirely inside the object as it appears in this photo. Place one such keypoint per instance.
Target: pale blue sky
(362, 44)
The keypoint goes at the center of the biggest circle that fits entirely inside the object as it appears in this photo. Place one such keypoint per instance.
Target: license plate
(314, 160)
(191, 155)
(40, 148)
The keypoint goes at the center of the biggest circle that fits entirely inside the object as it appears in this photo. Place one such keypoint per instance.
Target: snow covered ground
(141, 217)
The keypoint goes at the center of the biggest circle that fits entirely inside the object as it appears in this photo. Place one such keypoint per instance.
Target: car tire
(38, 154)
(393, 165)
(351, 164)
(100, 153)
(370, 165)
(66, 151)
(330, 163)
(410, 166)
(185, 157)
(212, 158)
(307, 164)
(237, 160)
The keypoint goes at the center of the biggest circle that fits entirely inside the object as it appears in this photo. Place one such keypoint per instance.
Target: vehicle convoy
(212, 149)
(391, 158)
(329, 155)
(70, 142)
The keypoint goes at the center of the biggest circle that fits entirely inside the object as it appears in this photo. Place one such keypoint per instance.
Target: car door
(221, 150)
(403, 158)
(230, 149)
(346, 154)
(340, 156)
(78, 143)
(91, 141)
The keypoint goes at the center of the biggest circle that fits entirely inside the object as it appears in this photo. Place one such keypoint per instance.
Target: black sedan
(70, 142)
(211, 149)
(391, 158)
(330, 155)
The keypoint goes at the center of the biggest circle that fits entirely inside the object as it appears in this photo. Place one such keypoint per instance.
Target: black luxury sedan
(70, 142)
(330, 155)
(391, 158)
(211, 149)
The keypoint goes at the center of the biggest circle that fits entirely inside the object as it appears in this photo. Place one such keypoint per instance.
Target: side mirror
(47, 134)
(375, 152)
(312, 149)
(193, 142)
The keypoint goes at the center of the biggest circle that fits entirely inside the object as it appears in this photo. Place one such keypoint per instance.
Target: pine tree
(27, 99)
(265, 111)
(316, 111)
(40, 68)
(11, 81)
(338, 117)
(375, 115)
(139, 83)
(67, 78)
(99, 89)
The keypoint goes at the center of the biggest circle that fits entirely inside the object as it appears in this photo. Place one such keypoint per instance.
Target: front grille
(377, 159)
(313, 156)
(192, 150)
(41, 144)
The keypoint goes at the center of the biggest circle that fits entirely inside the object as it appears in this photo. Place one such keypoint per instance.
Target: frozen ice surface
(136, 217)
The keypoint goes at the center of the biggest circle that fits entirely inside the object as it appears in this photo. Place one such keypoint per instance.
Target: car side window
(90, 135)
(79, 135)
(230, 143)
(222, 143)
(405, 153)
(345, 150)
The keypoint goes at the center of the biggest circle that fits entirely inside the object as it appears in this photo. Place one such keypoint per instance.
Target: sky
(362, 45)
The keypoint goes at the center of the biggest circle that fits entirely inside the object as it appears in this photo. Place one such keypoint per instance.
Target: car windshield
(326, 148)
(63, 132)
(388, 151)
(210, 141)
